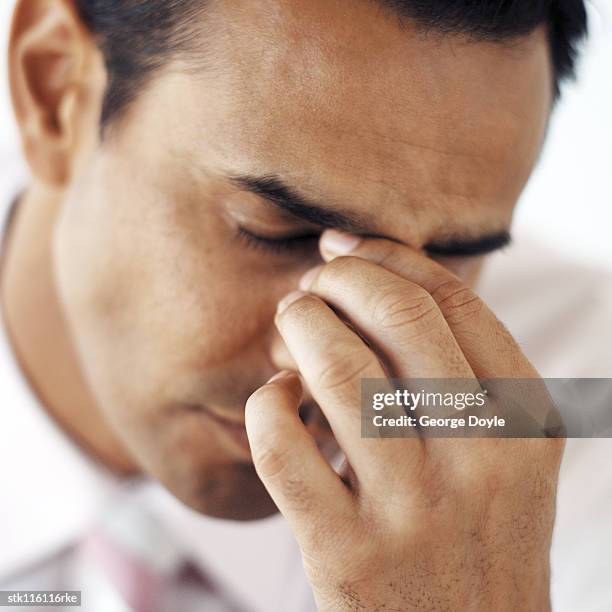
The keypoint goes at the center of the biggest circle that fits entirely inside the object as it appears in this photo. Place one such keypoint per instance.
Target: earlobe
(53, 82)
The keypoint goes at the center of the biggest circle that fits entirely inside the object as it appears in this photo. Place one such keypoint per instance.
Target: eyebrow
(274, 190)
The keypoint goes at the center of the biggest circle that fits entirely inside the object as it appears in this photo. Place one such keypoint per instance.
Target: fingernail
(308, 278)
(289, 299)
(339, 243)
(279, 375)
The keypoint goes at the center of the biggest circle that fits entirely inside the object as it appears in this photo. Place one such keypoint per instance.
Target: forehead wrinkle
(311, 110)
(371, 132)
(315, 86)
(393, 171)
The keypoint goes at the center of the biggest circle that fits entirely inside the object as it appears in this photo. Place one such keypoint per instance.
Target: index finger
(469, 318)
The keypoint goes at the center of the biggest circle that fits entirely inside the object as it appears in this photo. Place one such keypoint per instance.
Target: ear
(57, 80)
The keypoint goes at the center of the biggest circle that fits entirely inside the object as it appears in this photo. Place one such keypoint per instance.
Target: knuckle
(456, 301)
(398, 307)
(386, 254)
(298, 495)
(271, 461)
(274, 465)
(303, 306)
(338, 268)
(343, 370)
(389, 255)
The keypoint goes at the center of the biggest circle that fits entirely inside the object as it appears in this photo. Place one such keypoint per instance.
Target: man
(192, 164)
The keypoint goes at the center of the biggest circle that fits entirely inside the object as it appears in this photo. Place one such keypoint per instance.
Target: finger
(287, 460)
(488, 346)
(333, 360)
(486, 343)
(398, 318)
(450, 449)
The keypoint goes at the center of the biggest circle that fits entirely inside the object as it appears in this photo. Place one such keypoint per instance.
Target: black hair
(137, 37)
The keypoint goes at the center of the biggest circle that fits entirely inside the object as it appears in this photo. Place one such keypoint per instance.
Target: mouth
(234, 428)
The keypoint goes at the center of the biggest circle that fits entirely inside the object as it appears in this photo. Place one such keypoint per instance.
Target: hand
(412, 524)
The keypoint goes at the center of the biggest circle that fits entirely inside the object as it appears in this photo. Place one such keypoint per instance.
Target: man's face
(171, 296)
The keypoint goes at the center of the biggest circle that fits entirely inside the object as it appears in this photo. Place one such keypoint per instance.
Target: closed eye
(279, 244)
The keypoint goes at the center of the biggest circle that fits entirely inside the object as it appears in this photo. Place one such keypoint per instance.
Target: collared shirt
(559, 312)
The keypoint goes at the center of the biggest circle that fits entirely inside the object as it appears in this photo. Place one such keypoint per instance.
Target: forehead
(353, 108)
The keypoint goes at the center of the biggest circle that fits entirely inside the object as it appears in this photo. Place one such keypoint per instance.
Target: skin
(149, 313)
(466, 523)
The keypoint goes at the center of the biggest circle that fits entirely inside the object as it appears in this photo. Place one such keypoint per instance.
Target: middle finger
(397, 317)
(333, 360)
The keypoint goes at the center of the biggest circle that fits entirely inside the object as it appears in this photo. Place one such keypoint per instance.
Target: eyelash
(277, 246)
(302, 242)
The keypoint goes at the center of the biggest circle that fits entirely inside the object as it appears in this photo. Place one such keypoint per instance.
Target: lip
(229, 422)
(236, 430)
(309, 413)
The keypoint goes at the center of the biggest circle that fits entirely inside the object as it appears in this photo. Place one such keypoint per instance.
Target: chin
(232, 492)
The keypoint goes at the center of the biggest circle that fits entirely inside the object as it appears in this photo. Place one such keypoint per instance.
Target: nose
(279, 354)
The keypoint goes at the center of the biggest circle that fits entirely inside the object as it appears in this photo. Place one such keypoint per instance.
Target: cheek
(155, 292)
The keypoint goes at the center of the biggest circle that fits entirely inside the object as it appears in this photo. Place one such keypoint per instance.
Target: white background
(568, 202)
